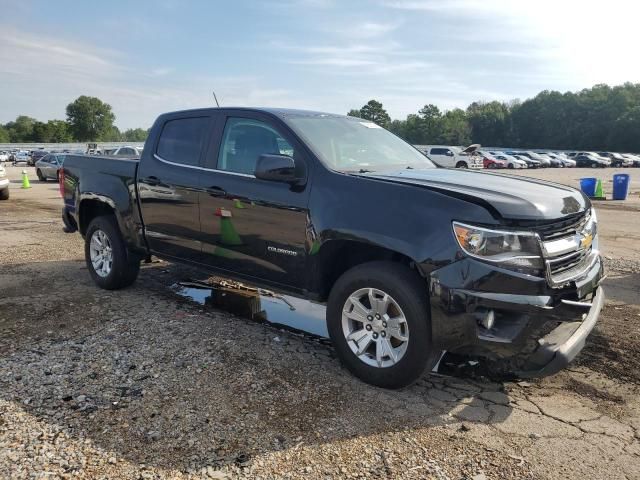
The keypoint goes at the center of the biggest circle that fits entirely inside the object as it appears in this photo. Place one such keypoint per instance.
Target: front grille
(566, 262)
(562, 228)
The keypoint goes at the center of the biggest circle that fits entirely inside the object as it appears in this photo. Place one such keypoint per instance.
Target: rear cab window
(182, 139)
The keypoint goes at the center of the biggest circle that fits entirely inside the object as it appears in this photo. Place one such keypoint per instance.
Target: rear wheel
(41, 177)
(110, 264)
(4, 194)
(379, 322)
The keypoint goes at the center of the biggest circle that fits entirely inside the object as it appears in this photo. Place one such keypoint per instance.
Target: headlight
(518, 251)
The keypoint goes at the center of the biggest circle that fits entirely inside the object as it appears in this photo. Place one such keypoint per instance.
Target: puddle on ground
(293, 313)
(257, 304)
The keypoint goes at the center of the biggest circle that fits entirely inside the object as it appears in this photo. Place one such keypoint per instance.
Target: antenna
(215, 98)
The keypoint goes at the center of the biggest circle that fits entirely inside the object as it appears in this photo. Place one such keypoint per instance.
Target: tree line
(598, 118)
(89, 119)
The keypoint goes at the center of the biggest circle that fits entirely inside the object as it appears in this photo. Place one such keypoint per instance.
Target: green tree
(135, 135)
(4, 135)
(354, 113)
(21, 130)
(455, 128)
(625, 132)
(90, 119)
(430, 124)
(375, 112)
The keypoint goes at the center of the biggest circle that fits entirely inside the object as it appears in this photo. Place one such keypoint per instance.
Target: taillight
(61, 181)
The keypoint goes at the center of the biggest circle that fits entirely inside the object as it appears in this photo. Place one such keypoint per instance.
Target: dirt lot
(140, 383)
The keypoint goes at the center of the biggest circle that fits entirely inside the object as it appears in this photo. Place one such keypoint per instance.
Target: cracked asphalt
(141, 383)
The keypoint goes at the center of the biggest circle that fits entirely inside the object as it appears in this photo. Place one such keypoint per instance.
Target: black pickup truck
(410, 258)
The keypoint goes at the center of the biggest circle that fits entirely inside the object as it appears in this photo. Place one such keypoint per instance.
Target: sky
(148, 57)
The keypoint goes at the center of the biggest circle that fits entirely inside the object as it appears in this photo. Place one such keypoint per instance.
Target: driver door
(250, 227)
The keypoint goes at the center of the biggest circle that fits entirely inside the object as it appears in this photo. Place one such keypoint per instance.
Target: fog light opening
(488, 320)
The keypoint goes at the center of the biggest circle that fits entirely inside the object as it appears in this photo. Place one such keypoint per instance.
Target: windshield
(349, 144)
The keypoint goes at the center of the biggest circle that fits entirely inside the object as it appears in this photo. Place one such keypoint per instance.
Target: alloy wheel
(101, 253)
(375, 327)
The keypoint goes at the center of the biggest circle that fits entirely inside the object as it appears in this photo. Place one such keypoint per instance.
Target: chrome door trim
(175, 164)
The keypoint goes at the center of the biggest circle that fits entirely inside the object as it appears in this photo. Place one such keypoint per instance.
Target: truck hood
(510, 196)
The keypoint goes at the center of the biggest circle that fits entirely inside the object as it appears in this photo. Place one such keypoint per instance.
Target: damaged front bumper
(479, 310)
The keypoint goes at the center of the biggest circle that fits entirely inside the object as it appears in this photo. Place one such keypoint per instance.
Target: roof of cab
(280, 112)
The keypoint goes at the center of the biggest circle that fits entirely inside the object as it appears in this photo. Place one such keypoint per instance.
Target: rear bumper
(537, 329)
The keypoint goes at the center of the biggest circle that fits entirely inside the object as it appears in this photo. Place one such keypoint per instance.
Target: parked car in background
(635, 159)
(4, 156)
(21, 157)
(490, 161)
(449, 156)
(531, 163)
(544, 162)
(553, 162)
(4, 184)
(48, 166)
(567, 162)
(126, 152)
(37, 155)
(591, 160)
(617, 159)
(511, 161)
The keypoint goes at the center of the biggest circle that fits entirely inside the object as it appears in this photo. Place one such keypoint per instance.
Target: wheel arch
(337, 256)
(92, 207)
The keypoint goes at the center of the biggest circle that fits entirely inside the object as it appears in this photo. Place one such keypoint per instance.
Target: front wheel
(4, 194)
(41, 177)
(379, 323)
(110, 264)
(462, 165)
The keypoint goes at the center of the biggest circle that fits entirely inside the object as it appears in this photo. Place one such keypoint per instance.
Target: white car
(449, 156)
(512, 162)
(4, 184)
(127, 151)
(4, 157)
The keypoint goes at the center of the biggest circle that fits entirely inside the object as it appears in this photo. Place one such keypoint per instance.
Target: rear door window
(182, 139)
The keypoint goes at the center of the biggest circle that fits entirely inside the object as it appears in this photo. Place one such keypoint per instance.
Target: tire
(124, 266)
(408, 300)
(462, 165)
(4, 194)
(41, 177)
(510, 166)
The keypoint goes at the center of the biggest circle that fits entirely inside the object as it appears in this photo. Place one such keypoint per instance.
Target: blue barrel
(620, 186)
(588, 186)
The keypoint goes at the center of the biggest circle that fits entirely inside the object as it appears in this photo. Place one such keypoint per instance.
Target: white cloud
(41, 75)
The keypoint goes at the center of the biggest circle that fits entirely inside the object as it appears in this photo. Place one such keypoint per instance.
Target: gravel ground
(140, 383)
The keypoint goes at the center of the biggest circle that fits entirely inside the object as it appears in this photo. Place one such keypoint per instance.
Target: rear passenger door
(169, 183)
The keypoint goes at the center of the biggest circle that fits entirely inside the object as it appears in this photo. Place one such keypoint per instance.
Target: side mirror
(276, 168)
(449, 153)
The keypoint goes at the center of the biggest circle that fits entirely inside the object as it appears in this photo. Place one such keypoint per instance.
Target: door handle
(216, 191)
(152, 181)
